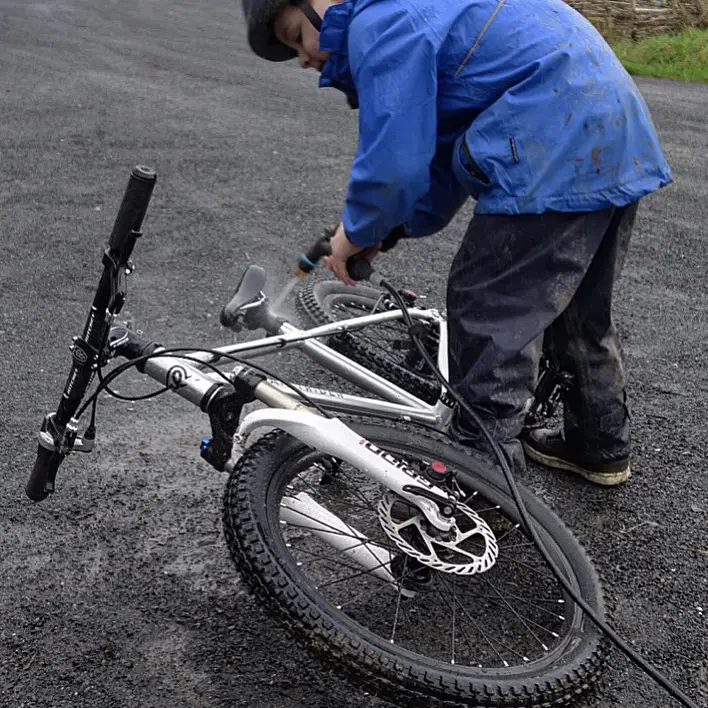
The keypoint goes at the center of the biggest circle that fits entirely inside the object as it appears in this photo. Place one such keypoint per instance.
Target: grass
(681, 56)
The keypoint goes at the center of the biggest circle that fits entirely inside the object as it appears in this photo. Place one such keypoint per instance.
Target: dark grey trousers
(520, 285)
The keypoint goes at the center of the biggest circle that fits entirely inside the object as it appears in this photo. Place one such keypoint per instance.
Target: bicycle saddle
(248, 293)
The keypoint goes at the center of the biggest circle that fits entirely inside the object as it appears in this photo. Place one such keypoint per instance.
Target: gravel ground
(119, 591)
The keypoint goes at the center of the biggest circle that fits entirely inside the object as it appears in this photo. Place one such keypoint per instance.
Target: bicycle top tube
(289, 335)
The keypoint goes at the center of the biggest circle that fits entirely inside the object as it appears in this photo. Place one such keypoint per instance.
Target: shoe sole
(606, 479)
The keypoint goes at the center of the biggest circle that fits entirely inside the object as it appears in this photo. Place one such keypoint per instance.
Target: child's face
(296, 31)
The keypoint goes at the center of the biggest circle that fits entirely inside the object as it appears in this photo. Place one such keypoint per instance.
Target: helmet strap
(310, 13)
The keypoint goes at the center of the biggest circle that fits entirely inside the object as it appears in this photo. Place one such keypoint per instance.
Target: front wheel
(507, 637)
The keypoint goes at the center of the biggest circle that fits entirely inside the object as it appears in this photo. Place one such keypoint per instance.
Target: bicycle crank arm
(303, 511)
(331, 436)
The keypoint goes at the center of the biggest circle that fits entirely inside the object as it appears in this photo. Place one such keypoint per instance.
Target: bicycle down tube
(397, 404)
(290, 337)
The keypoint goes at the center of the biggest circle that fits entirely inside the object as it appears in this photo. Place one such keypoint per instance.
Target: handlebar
(41, 480)
(359, 268)
(88, 350)
(132, 211)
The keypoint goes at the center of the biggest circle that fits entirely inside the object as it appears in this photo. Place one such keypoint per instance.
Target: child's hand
(342, 250)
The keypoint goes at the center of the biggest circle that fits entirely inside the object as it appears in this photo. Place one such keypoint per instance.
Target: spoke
(357, 493)
(386, 334)
(368, 506)
(398, 604)
(462, 629)
(489, 508)
(333, 501)
(376, 343)
(382, 297)
(484, 635)
(443, 583)
(518, 615)
(517, 545)
(506, 533)
(368, 571)
(329, 528)
(360, 595)
(526, 565)
(382, 329)
(334, 495)
(319, 493)
(520, 599)
(454, 607)
(335, 531)
(542, 599)
(503, 604)
(315, 492)
(337, 561)
(324, 523)
(338, 552)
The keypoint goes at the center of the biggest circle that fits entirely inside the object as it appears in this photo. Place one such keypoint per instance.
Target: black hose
(655, 674)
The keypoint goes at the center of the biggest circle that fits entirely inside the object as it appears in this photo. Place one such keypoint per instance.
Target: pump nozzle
(308, 261)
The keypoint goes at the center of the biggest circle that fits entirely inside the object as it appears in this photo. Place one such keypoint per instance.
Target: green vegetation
(680, 56)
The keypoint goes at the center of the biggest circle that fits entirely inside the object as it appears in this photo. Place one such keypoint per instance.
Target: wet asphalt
(119, 591)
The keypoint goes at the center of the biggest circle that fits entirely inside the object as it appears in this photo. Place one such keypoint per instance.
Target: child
(521, 105)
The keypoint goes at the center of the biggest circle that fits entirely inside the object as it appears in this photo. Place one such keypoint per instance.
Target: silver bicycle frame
(186, 376)
(393, 402)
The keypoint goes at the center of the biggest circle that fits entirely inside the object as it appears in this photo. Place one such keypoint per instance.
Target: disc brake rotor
(469, 548)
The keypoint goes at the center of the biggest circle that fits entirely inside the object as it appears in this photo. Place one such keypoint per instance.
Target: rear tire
(326, 301)
(269, 565)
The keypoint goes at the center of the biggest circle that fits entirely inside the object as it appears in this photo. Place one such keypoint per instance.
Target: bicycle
(386, 549)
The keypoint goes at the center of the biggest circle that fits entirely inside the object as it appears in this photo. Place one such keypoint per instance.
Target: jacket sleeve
(435, 209)
(394, 65)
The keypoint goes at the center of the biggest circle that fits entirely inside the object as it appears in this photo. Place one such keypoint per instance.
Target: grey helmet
(260, 15)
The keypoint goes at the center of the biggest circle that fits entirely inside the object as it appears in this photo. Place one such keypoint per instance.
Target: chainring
(408, 528)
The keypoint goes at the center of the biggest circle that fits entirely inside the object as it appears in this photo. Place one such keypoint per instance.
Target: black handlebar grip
(132, 209)
(359, 268)
(41, 481)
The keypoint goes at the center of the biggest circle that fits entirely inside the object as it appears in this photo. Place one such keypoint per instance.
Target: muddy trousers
(526, 284)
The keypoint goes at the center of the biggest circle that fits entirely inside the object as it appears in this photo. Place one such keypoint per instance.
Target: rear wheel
(507, 637)
(386, 349)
